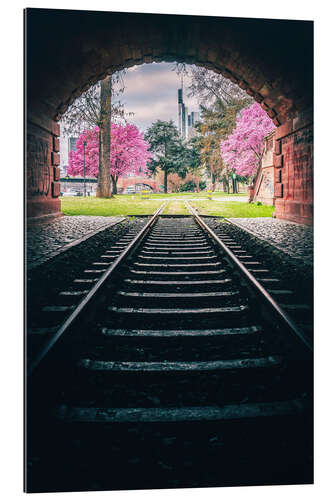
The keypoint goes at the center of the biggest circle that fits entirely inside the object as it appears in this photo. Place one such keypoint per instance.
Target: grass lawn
(232, 209)
(118, 205)
(175, 208)
(134, 205)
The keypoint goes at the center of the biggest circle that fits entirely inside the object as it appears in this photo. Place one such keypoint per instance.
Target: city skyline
(151, 94)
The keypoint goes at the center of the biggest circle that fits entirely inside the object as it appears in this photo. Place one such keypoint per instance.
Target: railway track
(176, 369)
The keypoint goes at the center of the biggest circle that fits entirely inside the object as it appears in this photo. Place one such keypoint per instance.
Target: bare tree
(95, 108)
(210, 87)
(85, 112)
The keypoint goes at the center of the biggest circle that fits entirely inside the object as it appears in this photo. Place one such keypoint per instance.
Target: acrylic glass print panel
(169, 316)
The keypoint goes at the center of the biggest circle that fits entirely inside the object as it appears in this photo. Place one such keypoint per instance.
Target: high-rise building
(186, 121)
(180, 107)
(183, 122)
(195, 117)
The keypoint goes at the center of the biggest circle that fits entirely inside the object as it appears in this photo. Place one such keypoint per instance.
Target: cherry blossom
(128, 152)
(242, 150)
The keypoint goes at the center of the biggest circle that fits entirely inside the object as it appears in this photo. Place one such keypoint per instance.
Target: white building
(67, 144)
(186, 120)
(193, 118)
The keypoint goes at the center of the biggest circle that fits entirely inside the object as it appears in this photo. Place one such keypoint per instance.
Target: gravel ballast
(48, 239)
(58, 272)
(296, 240)
(292, 264)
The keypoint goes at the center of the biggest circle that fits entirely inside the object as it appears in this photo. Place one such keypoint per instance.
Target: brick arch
(277, 107)
(68, 51)
(271, 60)
(123, 182)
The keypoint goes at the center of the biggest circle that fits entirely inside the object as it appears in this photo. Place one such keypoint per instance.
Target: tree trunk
(197, 182)
(114, 184)
(165, 181)
(213, 182)
(104, 183)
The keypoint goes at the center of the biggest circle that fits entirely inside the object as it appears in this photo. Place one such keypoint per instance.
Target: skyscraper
(180, 103)
(186, 121)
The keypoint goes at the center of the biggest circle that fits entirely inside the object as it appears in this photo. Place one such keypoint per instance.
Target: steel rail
(92, 292)
(259, 289)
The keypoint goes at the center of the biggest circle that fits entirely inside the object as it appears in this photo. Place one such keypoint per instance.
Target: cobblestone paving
(46, 240)
(294, 239)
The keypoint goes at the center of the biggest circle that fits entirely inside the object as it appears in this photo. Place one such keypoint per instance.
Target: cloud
(151, 93)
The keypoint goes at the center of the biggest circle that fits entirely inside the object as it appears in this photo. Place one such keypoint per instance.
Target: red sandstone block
(56, 144)
(55, 158)
(304, 118)
(148, 59)
(265, 89)
(278, 148)
(271, 113)
(308, 210)
(137, 53)
(55, 129)
(278, 175)
(278, 161)
(278, 190)
(55, 189)
(56, 173)
(126, 52)
(293, 209)
(37, 118)
(251, 92)
(258, 97)
(284, 130)
(42, 206)
(243, 84)
(212, 55)
(233, 78)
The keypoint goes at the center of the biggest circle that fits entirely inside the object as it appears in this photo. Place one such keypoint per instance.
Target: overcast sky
(151, 93)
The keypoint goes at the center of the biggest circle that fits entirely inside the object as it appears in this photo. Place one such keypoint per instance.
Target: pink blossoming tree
(242, 150)
(128, 153)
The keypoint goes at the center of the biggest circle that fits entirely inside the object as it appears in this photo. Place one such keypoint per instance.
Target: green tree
(217, 122)
(167, 148)
(220, 100)
(192, 159)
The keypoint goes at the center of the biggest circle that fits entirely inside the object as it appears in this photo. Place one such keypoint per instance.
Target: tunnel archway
(68, 51)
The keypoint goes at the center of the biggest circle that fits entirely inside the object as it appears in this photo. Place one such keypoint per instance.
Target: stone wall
(293, 162)
(42, 167)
